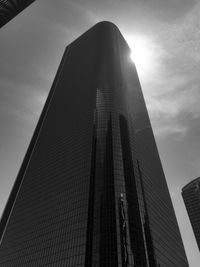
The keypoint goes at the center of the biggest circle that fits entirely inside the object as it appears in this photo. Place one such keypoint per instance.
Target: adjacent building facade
(11, 8)
(91, 190)
(191, 197)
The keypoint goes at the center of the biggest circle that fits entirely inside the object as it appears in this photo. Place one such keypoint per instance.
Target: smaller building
(191, 197)
(11, 8)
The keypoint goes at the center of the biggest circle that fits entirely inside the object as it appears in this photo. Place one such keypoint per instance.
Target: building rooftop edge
(105, 25)
(190, 183)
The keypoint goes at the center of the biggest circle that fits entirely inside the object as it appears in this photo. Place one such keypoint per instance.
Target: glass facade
(191, 197)
(91, 190)
(11, 8)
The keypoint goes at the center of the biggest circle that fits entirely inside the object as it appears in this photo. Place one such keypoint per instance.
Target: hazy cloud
(173, 90)
(25, 106)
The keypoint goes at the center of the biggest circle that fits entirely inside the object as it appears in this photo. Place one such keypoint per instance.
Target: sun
(142, 53)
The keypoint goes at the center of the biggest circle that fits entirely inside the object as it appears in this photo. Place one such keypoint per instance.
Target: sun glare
(142, 54)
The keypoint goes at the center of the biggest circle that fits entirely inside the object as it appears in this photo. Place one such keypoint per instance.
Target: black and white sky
(166, 31)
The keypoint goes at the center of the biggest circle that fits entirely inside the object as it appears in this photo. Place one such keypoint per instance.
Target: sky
(167, 32)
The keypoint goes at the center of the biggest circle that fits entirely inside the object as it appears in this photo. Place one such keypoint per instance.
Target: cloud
(81, 9)
(24, 106)
(172, 90)
(163, 131)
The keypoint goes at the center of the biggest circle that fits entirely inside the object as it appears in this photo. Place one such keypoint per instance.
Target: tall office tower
(191, 197)
(91, 190)
(11, 8)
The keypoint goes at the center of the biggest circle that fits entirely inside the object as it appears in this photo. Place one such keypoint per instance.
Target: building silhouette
(11, 8)
(191, 197)
(91, 190)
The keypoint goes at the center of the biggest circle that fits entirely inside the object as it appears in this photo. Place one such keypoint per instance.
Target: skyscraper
(191, 197)
(91, 190)
(11, 8)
